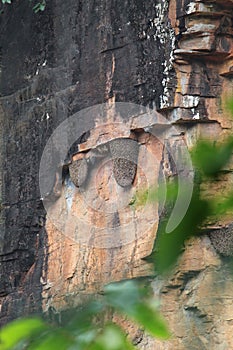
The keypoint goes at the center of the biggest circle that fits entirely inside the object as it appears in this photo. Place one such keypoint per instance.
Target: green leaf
(124, 295)
(220, 205)
(19, 330)
(168, 246)
(229, 105)
(84, 339)
(53, 340)
(80, 321)
(210, 158)
(112, 338)
(146, 315)
(40, 6)
(129, 298)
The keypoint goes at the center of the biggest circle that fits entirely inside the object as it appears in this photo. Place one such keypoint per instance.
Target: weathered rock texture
(175, 57)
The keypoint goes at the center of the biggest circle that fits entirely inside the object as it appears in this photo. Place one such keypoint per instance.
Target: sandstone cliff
(174, 59)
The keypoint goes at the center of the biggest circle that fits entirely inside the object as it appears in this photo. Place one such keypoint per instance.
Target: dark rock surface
(74, 55)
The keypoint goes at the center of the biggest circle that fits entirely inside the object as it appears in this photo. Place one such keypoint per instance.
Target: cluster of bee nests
(124, 155)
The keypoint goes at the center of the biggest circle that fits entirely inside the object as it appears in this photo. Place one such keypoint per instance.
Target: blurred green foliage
(210, 162)
(83, 329)
(211, 158)
(168, 246)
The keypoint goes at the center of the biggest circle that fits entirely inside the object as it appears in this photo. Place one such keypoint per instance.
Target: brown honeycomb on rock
(222, 240)
(78, 172)
(124, 154)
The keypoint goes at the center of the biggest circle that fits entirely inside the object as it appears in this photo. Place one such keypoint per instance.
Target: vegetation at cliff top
(37, 6)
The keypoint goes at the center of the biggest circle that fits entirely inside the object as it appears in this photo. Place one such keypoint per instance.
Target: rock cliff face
(174, 59)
